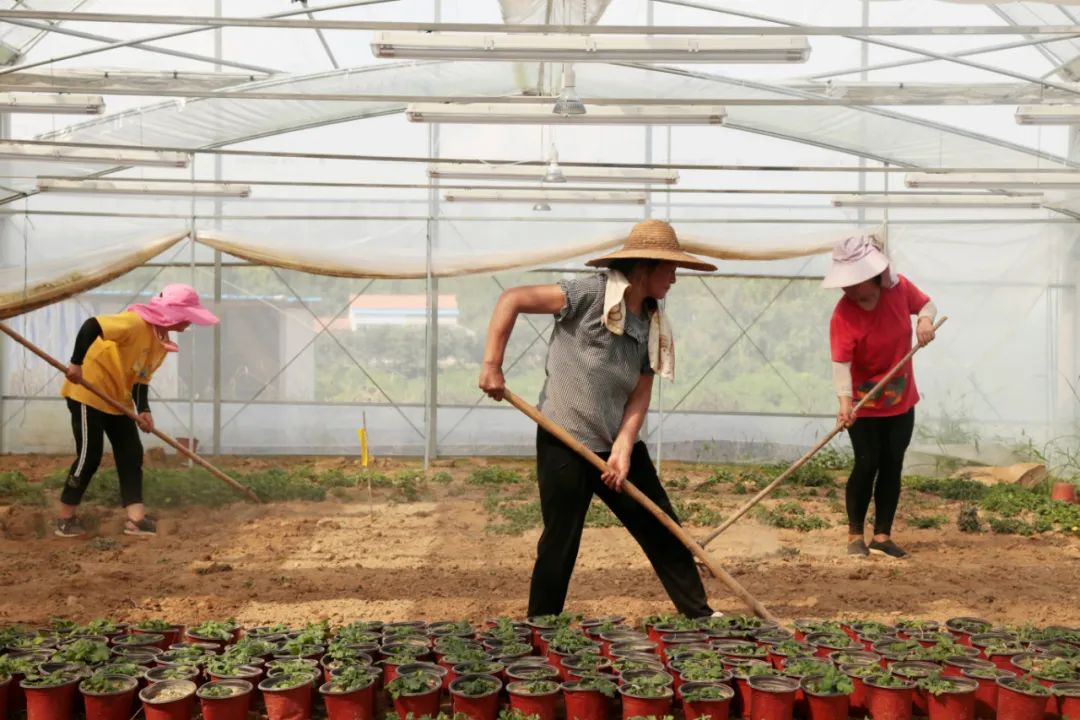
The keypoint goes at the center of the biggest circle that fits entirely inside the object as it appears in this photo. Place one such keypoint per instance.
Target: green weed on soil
(15, 488)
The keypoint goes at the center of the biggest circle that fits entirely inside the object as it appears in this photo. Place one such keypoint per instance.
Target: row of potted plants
(713, 666)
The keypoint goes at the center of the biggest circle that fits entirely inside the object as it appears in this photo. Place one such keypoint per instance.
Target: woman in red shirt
(870, 332)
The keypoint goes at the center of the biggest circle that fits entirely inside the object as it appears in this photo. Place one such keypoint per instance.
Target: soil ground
(432, 559)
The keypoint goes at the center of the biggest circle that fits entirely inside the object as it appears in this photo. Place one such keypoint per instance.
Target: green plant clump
(412, 684)
(831, 682)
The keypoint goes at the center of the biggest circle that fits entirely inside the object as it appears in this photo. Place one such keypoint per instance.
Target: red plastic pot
(1014, 704)
(826, 707)
(234, 707)
(1064, 492)
(585, 704)
(157, 706)
(419, 705)
(890, 703)
(955, 666)
(478, 707)
(50, 703)
(956, 704)
(544, 706)
(110, 706)
(741, 701)
(717, 709)
(355, 705)
(859, 701)
(287, 703)
(772, 698)
(1068, 699)
(5, 692)
(656, 707)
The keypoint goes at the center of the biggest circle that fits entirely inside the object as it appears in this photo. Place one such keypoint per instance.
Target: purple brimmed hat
(175, 304)
(854, 260)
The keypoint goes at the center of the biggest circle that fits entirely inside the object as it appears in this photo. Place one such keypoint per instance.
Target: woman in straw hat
(869, 334)
(610, 338)
(118, 355)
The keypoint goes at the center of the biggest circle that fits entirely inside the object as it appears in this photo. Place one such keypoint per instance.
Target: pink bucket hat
(176, 303)
(855, 259)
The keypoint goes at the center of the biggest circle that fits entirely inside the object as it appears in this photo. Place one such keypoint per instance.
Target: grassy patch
(926, 522)
(790, 516)
(493, 475)
(508, 517)
(948, 488)
(16, 489)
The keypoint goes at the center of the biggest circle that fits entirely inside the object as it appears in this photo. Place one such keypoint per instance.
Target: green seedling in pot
(598, 684)
(900, 648)
(456, 626)
(292, 666)
(62, 626)
(503, 629)
(661, 619)
(289, 680)
(917, 625)
(792, 648)
(477, 667)
(103, 684)
(935, 653)
(123, 668)
(805, 666)
(885, 679)
(624, 664)
(971, 626)
(178, 672)
(17, 666)
(194, 653)
(301, 649)
(745, 672)
(744, 649)
(509, 714)
(48, 680)
(703, 673)
(249, 649)
(817, 626)
(214, 630)
(453, 644)
(352, 678)
(1051, 668)
(101, 626)
(30, 642)
(988, 673)
(534, 674)
(645, 689)
(679, 623)
(467, 655)
(476, 687)
(836, 639)
(1001, 646)
(831, 682)
(225, 666)
(401, 631)
(563, 619)
(413, 684)
(1028, 685)
(220, 691)
(514, 649)
(870, 626)
(314, 633)
(153, 625)
(569, 642)
(707, 692)
(938, 684)
(89, 652)
(540, 687)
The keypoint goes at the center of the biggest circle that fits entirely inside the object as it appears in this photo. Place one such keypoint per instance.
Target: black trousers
(90, 426)
(879, 444)
(567, 483)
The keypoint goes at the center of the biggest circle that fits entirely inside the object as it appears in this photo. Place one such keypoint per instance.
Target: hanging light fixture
(568, 102)
(554, 173)
(519, 114)
(542, 207)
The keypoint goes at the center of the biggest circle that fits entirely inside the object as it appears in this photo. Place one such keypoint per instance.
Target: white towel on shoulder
(661, 340)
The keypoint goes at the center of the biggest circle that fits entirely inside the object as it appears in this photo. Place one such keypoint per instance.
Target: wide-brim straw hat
(855, 260)
(653, 240)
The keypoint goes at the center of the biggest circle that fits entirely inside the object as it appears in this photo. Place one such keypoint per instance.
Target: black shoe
(858, 548)
(887, 548)
(146, 526)
(69, 527)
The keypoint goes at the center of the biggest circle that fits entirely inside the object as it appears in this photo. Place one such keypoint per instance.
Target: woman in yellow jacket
(118, 355)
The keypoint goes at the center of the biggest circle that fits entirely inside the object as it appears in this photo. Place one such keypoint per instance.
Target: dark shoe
(146, 526)
(887, 548)
(858, 548)
(69, 527)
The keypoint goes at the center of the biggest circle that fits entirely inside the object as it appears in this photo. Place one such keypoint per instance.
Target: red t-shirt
(873, 341)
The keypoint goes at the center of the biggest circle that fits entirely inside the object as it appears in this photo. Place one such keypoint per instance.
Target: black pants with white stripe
(90, 426)
(567, 484)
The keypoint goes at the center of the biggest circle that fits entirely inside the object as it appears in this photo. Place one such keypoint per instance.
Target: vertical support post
(216, 421)
(5, 230)
(1068, 322)
(431, 394)
(864, 60)
(649, 19)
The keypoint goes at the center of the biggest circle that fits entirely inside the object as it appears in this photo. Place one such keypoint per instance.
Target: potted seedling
(916, 670)
(415, 693)
(17, 667)
(588, 698)
(391, 663)
(476, 696)
(956, 665)
(986, 695)
(964, 627)
(168, 700)
(1001, 651)
(87, 652)
(49, 695)
(5, 692)
(531, 671)
(1021, 698)
(633, 648)
(456, 628)
(828, 695)
(706, 700)
(184, 655)
(647, 696)
(741, 673)
(105, 627)
(800, 668)
(225, 699)
(804, 627)
(894, 649)
(889, 697)
(949, 698)
(141, 640)
(565, 642)
(650, 662)
(586, 663)
(534, 697)
(855, 657)
(650, 677)
(476, 667)
(350, 693)
(825, 643)
(288, 695)
(164, 673)
(108, 696)
(511, 651)
(226, 668)
(772, 697)
(169, 631)
(1050, 671)
(740, 649)
(779, 653)
(1068, 698)
(904, 628)
(217, 632)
